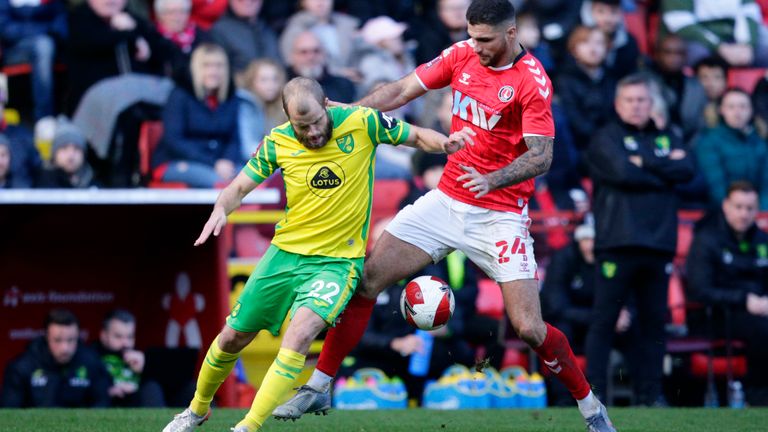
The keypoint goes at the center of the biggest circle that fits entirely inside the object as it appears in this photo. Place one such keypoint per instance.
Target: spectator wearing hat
(568, 294)
(68, 168)
(385, 56)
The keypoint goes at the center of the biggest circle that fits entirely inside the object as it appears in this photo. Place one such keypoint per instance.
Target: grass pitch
(549, 420)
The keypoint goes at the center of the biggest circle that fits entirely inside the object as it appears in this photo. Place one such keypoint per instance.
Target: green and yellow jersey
(329, 190)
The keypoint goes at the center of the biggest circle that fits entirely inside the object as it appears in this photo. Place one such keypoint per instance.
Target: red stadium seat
(387, 195)
(489, 300)
(745, 78)
(149, 137)
(637, 27)
(26, 69)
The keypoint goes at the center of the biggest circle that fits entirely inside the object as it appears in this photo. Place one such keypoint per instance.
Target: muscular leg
(521, 300)
(281, 376)
(391, 260)
(218, 363)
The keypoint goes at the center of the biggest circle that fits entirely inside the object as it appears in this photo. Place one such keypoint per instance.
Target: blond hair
(273, 108)
(199, 55)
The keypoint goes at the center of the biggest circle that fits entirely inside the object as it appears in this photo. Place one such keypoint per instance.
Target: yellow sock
(216, 367)
(277, 383)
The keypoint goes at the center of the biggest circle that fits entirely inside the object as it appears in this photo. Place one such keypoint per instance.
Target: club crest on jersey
(346, 143)
(325, 178)
(506, 93)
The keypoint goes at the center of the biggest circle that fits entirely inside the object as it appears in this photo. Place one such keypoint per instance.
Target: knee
(232, 341)
(531, 331)
(372, 283)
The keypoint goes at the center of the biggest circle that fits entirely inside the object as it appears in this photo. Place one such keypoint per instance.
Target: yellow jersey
(329, 190)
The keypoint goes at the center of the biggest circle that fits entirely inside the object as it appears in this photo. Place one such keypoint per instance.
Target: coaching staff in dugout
(728, 268)
(634, 167)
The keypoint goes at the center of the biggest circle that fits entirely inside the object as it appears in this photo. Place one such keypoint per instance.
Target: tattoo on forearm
(528, 165)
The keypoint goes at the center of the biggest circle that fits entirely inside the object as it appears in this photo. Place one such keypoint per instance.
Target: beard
(305, 141)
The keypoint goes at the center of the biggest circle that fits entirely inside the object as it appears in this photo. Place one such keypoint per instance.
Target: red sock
(345, 336)
(558, 357)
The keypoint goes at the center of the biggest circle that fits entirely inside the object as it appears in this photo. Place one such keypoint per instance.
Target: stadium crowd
(212, 72)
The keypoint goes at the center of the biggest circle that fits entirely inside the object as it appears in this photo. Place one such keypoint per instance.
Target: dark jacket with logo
(34, 379)
(569, 288)
(633, 206)
(721, 269)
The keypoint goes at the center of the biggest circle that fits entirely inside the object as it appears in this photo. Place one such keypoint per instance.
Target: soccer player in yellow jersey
(316, 258)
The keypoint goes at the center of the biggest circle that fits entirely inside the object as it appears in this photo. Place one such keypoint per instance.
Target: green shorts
(284, 281)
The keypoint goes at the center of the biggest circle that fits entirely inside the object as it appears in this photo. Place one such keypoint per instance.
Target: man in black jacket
(634, 167)
(728, 267)
(55, 371)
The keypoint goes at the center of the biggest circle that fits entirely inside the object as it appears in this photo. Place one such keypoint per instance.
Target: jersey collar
(514, 62)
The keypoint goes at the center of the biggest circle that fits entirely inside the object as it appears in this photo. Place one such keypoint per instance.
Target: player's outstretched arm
(535, 161)
(433, 141)
(228, 201)
(393, 95)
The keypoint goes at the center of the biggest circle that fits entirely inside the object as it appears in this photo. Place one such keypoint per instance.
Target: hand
(677, 154)
(457, 140)
(135, 360)
(736, 54)
(475, 181)
(143, 52)
(636, 160)
(214, 225)
(224, 168)
(757, 305)
(122, 389)
(624, 321)
(121, 21)
(407, 345)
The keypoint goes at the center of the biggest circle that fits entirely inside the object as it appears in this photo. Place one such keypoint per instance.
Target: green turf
(550, 420)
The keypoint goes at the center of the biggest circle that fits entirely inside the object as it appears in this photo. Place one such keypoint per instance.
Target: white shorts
(498, 242)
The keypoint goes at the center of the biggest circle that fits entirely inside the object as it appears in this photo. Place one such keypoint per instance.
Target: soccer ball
(427, 302)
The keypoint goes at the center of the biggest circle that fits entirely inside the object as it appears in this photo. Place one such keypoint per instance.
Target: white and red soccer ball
(427, 302)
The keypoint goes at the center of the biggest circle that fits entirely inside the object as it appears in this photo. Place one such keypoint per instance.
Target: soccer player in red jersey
(480, 207)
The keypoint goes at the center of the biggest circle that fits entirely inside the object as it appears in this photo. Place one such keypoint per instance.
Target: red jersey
(501, 105)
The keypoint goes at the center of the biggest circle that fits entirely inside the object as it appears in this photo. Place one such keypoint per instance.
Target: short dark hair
(63, 317)
(740, 186)
(711, 62)
(490, 12)
(121, 315)
(634, 79)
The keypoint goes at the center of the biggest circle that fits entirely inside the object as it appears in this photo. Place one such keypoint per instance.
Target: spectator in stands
(733, 150)
(623, 57)
(107, 41)
(584, 85)
(760, 102)
(307, 59)
(25, 161)
(68, 167)
(200, 145)
(556, 18)
(174, 24)
(384, 56)
(125, 364)
(442, 28)
(5, 163)
(56, 371)
(684, 95)
(261, 108)
(30, 33)
(244, 34)
(732, 30)
(727, 269)
(206, 12)
(399, 10)
(633, 166)
(336, 31)
(712, 74)
(529, 36)
(568, 294)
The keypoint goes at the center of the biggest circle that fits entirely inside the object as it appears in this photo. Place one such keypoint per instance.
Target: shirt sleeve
(385, 129)
(263, 163)
(537, 104)
(438, 72)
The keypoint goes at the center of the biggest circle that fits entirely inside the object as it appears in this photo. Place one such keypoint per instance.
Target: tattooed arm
(534, 162)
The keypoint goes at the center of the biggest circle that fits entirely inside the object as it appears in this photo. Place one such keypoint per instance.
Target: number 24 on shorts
(518, 247)
(318, 286)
